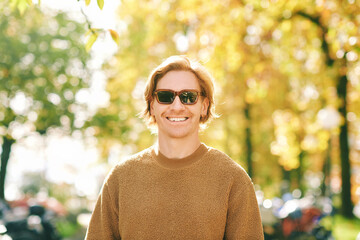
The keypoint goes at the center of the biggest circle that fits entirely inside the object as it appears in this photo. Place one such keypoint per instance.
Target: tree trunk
(285, 186)
(347, 205)
(325, 189)
(228, 131)
(248, 140)
(300, 172)
(5, 155)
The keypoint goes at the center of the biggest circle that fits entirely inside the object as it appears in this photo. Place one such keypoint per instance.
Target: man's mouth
(172, 119)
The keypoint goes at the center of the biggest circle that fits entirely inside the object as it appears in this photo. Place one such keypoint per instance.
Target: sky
(61, 158)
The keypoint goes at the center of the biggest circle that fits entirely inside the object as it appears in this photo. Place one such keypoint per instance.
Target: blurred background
(72, 74)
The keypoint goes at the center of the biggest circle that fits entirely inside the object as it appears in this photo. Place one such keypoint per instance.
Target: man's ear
(151, 108)
(204, 107)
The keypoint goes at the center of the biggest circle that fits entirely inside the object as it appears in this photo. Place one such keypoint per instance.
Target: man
(180, 188)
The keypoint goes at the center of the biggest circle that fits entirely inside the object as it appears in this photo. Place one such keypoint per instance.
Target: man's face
(177, 120)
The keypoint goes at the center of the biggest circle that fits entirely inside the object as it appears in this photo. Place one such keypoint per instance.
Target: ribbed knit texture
(203, 196)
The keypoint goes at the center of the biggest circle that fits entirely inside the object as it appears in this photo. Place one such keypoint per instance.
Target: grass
(66, 228)
(345, 229)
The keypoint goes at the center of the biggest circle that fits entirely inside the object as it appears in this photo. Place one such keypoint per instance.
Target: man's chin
(177, 134)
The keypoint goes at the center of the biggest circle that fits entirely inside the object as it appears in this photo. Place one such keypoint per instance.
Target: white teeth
(177, 119)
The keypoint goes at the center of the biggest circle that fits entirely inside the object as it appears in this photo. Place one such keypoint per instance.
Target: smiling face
(177, 120)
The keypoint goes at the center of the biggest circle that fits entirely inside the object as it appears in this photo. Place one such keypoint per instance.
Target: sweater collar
(176, 163)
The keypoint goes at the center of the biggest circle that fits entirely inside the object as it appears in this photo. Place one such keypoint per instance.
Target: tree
(341, 87)
(334, 24)
(43, 66)
(22, 6)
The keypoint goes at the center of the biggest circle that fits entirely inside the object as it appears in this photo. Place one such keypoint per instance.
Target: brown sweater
(203, 196)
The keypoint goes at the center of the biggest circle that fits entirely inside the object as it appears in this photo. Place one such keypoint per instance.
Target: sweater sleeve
(243, 218)
(104, 219)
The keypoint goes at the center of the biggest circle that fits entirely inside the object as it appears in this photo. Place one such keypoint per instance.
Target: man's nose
(177, 104)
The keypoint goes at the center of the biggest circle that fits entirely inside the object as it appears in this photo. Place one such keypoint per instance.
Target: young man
(180, 188)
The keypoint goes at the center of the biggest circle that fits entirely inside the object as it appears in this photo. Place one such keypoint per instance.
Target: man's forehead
(178, 80)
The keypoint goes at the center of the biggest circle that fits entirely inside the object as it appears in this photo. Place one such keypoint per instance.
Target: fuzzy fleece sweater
(203, 196)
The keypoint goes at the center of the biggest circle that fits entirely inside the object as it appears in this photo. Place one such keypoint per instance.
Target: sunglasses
(167, 96)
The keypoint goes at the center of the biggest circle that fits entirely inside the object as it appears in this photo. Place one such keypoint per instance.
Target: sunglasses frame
(178, 93)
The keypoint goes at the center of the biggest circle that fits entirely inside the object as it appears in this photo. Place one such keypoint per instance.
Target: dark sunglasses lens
(165, 96)
(188, 97)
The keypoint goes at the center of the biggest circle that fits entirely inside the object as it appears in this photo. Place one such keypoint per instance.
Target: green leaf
(91, 41)
(100, 4)
(114, 36)
(87, 2)
(13, 4)
(22, 6)
(93, 31)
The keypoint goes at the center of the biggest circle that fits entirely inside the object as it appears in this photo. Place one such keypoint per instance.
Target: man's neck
(178, 147)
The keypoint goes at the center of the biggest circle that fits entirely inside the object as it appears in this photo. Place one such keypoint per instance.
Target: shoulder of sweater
(222, 158)
(134, 159)
(223, 161)
(129, 162)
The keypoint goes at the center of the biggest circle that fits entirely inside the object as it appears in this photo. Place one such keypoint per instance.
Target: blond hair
(180, 63)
